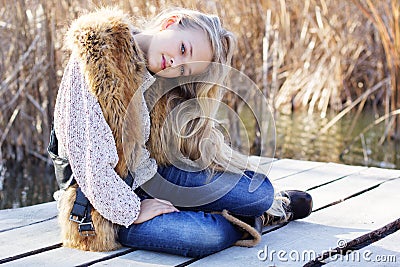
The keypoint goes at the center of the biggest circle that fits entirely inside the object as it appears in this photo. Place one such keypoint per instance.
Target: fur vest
(114, 68)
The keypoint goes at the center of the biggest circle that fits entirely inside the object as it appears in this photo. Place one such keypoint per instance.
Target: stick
(358, 243)
(358, 100)
(9, 124)
(20, 63)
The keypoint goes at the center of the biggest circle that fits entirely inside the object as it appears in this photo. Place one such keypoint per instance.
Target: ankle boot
(299, 207)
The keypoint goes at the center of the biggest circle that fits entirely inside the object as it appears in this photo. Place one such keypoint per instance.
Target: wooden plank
(72, 257)
(145, 258)
(62, 257)
(322, 230)
(32, 237)
(350, 185)
(29, 238)
(15, 218)
(317, 176)
(292, 245)
(286, 167)
(369, 211)
(44, 234)
(374, 209)
(318, 232)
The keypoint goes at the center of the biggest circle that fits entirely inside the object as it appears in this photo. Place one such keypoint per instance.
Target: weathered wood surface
(324, 229)
(15, 218)
(349, 201)
(31, 237)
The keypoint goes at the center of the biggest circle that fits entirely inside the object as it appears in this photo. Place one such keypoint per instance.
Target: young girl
(102, 134)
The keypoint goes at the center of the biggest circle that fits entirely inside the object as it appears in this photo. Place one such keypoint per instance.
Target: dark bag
(61, 166)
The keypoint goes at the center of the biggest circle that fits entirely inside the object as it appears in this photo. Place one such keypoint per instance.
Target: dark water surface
(297, 136)
(26, 184)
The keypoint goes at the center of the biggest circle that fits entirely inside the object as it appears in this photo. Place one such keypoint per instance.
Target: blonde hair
(190, 135)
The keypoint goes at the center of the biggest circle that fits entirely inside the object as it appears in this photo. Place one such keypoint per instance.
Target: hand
(150, 208)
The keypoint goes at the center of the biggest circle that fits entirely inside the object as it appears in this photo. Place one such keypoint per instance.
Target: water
(26, 184)
(298, 137)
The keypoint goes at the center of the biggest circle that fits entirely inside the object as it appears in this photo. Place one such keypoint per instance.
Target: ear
(169, 21)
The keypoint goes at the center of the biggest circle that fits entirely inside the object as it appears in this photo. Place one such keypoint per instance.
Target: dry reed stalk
(385, 16)
(317, 55)
(392, 114)
(322, 54)
(352, 105)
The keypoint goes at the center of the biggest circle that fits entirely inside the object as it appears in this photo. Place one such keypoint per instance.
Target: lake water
(297, 136)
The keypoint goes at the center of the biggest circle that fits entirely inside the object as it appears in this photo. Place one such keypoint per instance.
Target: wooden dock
(349, 202)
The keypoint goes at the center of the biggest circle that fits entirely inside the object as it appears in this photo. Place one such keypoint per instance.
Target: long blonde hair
(189, 135)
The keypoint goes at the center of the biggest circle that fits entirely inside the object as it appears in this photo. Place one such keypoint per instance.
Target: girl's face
(173, 48)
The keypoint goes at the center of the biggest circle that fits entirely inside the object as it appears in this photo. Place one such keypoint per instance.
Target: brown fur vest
(114, 69)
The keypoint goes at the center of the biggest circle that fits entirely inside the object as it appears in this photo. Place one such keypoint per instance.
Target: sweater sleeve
(90, 148)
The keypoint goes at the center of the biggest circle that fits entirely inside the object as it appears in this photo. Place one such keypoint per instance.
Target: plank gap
(329, 182)
(355, 194)
(21, 226)
(30, 253)
(122, 253)
(186, 263)
(357, 243)
(346, 198)
(275, 228)
(292, 174)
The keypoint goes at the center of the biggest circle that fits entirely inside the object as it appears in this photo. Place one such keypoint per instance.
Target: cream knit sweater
(86, 140)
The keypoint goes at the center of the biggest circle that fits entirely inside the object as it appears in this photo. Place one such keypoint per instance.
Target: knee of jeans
(261, 200)
(264, 204)
(215, 239)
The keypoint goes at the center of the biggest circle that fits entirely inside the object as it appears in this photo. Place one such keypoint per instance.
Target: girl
(102, 134)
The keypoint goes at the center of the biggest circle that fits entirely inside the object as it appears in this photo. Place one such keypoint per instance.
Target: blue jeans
(195, 231)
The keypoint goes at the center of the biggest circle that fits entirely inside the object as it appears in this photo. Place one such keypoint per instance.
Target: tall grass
(385, 17)
(319, 55)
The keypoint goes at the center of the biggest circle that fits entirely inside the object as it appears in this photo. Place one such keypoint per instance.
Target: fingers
(166, 202)
(168, 210)
(159, 205)
(163, 201)
(151, 208)
(159, 208)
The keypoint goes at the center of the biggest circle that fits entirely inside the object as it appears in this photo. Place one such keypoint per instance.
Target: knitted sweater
(86, 140)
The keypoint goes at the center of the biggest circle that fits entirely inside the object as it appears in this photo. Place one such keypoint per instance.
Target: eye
(182, 70)
(183, 48)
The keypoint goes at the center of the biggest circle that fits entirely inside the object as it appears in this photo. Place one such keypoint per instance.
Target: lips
(163, 62)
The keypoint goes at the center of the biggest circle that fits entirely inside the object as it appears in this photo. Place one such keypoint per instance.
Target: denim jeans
(195, 231)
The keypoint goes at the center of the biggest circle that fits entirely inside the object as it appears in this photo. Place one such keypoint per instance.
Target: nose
(175, 62)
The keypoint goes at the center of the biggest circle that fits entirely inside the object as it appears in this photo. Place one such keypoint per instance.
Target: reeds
(385, 16)
(320, 55)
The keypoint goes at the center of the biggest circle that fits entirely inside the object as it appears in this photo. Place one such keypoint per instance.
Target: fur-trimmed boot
(299, 207)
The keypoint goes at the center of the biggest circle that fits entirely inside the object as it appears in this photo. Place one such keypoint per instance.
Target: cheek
(151, 64)
(153, 61)
(153, 49)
